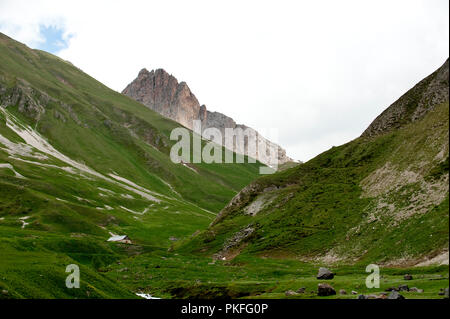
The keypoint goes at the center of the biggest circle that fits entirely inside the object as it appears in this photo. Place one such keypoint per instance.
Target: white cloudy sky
(318, 71)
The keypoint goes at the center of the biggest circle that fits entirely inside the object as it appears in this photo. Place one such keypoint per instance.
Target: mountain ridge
(161, 92)
(379, 198)
(414, 104)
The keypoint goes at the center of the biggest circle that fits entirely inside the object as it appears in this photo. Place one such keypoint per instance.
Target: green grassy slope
(380, 199)
(106, 130)
(62, 135)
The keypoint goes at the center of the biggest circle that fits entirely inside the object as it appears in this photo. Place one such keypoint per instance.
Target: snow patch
(23, 220)
(127, 196)
(6, 165)
(135, 212)
(135, 188)
(146, 296)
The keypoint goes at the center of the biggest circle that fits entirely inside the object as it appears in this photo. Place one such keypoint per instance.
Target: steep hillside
(162, 93)
(413, 105)
(79, 162)
(380, 198)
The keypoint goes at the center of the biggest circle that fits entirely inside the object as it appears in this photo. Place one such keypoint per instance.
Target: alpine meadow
(87, 179)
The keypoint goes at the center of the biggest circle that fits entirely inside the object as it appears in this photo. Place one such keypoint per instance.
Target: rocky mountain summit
(162, 93)
(414, 104)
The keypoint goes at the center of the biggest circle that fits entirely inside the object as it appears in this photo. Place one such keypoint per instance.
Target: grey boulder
(325, 273)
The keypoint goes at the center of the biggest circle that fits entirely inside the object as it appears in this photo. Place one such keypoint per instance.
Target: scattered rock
(395, 295)
(325, 273)
(5, 292)
(382, 296)
(372, 297)
(325, 290)
(342, 292)
(290, 293)
(408, 277)
(123, 269)
(392, 289)
(362, 297)
(415, 289)
(354, 292)
(403, 288)
(444, 292)
(301, 290)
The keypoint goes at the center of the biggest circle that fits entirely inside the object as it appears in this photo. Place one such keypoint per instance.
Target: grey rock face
(414, 104)
(162, 93)
(324, 273)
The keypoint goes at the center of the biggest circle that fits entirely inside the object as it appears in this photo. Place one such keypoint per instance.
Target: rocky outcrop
(414, 104)
(162, 93)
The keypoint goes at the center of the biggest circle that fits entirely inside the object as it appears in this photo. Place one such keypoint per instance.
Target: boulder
(354, 292)
(342, 292)
(325, 273)
(444, 292)
(415, 289)
(403, 288)
(325, 290)
(395, 295)
(362, 297)
(408, 277)
(290, 293)
(301, 290)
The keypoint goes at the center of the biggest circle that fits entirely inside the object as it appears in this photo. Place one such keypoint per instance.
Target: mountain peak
(162, 93)
(414, 104)
(143, 72)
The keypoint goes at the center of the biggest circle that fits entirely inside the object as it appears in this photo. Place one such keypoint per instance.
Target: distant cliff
(162, 93)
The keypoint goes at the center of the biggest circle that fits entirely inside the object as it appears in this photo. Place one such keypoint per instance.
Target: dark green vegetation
(79, 162)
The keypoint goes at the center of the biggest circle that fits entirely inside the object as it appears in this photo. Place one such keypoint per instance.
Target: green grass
(170, 275)
(320, 203)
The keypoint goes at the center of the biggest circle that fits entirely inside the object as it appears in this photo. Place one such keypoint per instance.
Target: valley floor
(33, 265)
(169, 275)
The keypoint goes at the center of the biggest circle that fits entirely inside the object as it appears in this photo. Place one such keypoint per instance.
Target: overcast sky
(318, 71)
